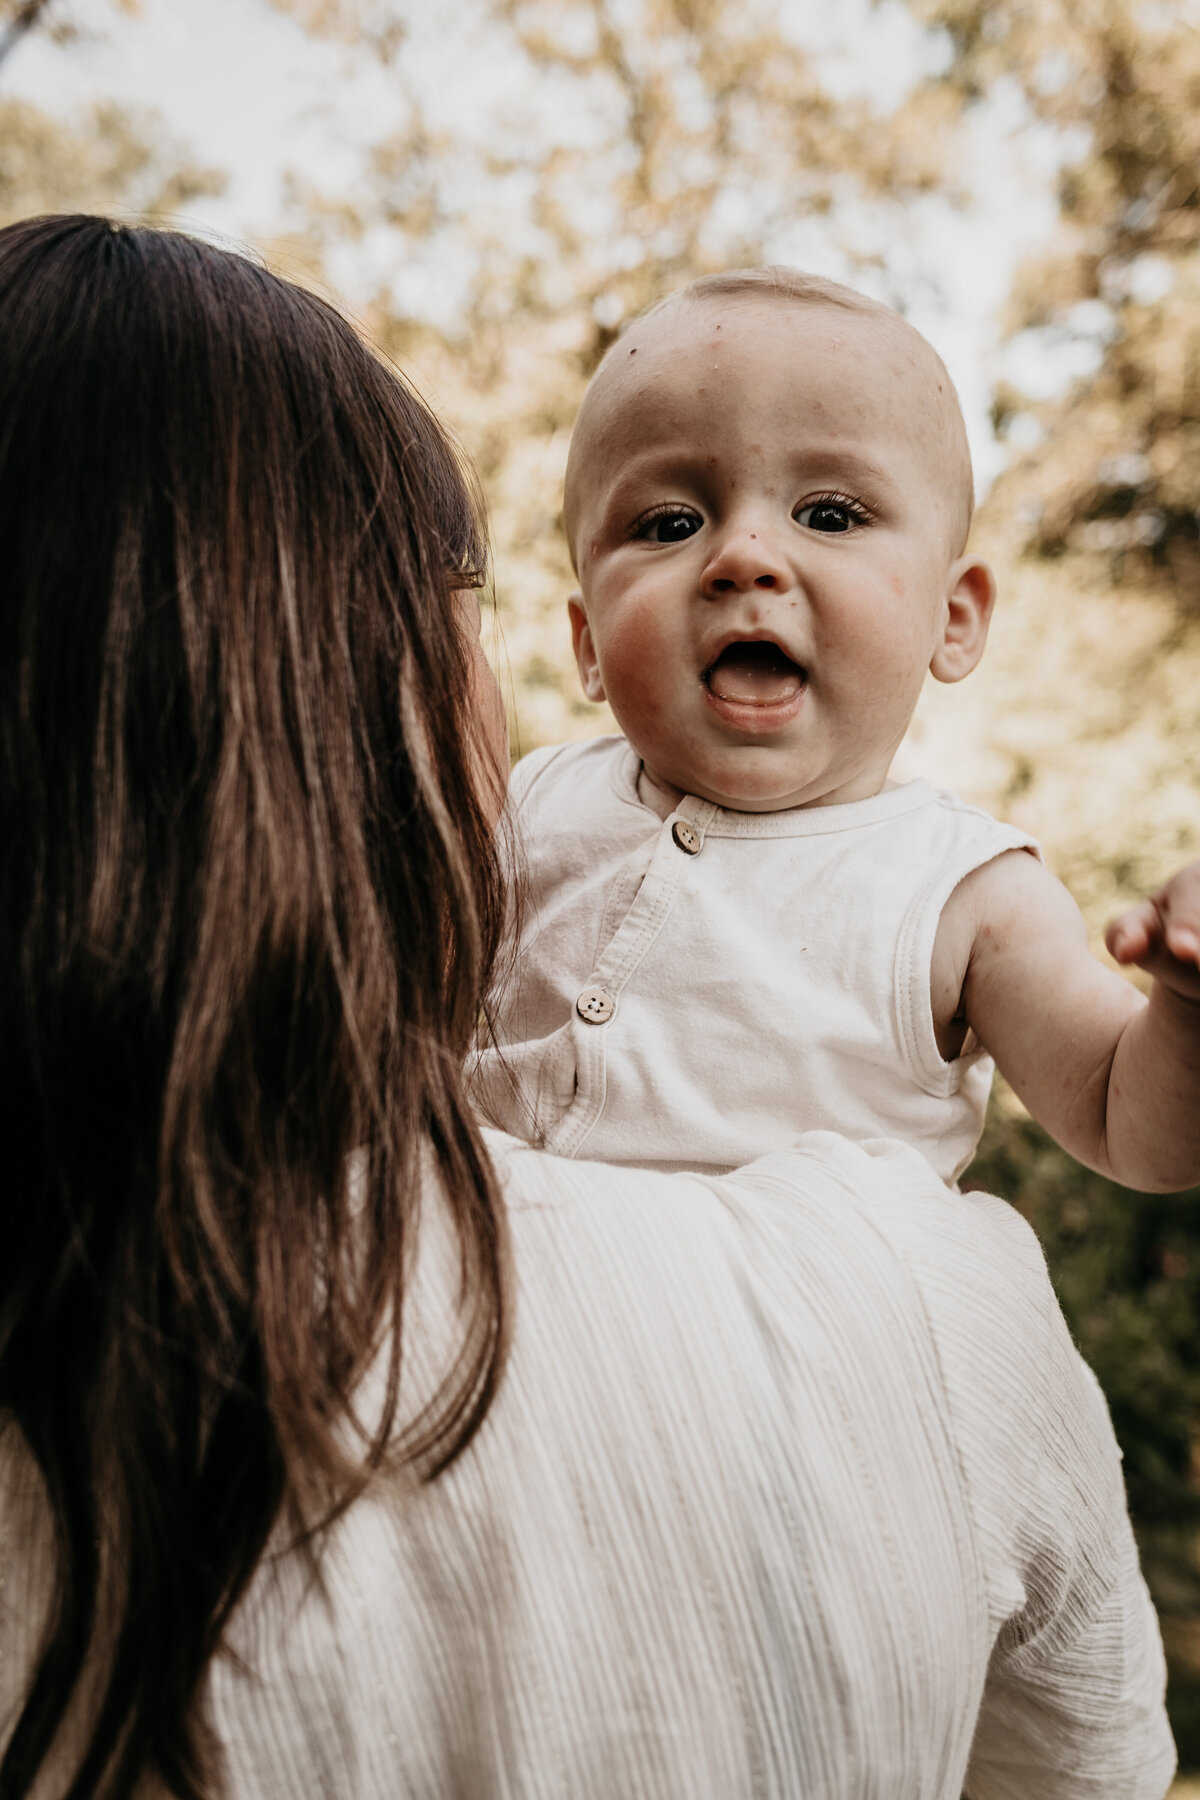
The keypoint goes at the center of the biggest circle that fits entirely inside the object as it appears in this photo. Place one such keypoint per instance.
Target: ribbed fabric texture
(795, 1487)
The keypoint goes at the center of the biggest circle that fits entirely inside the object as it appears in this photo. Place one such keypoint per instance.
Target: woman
(348, 1454)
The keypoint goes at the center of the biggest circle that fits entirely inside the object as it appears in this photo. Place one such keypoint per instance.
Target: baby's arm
(1113, 1077)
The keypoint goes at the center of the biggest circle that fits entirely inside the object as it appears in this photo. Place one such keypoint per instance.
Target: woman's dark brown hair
(248, 903)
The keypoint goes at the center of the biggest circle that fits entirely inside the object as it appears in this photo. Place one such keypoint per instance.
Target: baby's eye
(669, 525)
(831, 514)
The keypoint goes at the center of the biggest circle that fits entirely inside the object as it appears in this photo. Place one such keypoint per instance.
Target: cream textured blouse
(795, 1487)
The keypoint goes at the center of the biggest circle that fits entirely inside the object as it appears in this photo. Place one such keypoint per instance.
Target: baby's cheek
(643, 688)
(894, 629)
(638, 707)
(633, 665)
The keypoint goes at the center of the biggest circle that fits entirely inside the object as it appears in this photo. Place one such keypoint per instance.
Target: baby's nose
(743, 560)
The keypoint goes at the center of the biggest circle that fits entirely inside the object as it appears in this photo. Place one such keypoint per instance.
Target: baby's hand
(1162, 935)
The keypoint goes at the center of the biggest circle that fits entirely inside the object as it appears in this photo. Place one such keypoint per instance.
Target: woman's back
(777, 1462)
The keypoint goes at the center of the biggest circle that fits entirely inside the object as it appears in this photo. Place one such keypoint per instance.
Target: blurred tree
(62, 21)
(1119, 80)
(1085, 717)
(1091, 690)
(20, 19)
(109, 159)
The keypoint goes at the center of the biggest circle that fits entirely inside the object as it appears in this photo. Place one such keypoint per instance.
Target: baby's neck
(656, 793)
(662, 797)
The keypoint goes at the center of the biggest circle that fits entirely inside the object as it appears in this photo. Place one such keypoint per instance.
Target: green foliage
(1117, 478)
(1091, 688)
(1126, 1268)
(1083, 723)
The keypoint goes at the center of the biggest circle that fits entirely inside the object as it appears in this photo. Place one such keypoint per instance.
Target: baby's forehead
(884, 350)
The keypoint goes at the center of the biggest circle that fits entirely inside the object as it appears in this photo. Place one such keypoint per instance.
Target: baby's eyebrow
(649, 476)
(851, 463)
(665, 462)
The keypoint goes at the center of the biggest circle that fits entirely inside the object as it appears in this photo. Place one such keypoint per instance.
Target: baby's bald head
(888, 349)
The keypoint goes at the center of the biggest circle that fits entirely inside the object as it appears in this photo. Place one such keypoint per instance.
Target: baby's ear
(585, 649)
(970, 596)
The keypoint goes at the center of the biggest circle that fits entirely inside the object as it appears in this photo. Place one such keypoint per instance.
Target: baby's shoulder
(969, 820)
(601, 766)
(951, 839)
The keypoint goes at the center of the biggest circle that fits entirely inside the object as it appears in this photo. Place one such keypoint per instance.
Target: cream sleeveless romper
(695, 991)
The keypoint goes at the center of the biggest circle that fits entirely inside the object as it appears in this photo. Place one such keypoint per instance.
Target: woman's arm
(1072, 1702)
(1073, 1705)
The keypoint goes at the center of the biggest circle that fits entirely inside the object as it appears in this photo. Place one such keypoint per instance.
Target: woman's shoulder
(818, 1259)
(830, 1256)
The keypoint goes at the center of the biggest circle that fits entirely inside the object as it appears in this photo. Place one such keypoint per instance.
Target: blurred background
(490, 187)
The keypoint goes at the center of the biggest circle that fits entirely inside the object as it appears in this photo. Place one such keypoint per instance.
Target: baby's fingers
(1178, 907)
(1132, 935)
(1183, 941)
(1162, 935)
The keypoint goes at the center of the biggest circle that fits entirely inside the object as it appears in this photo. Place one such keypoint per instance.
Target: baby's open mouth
(754, 672)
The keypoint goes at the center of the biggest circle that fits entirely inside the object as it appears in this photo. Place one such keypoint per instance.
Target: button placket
(598, 1002)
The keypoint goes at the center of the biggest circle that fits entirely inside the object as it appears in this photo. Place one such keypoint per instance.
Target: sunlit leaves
(109, 161)
(1121, 81)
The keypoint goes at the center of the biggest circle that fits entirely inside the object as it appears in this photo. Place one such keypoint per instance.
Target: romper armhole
(914, 958)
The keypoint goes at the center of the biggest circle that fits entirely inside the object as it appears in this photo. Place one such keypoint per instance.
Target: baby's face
(767, 504)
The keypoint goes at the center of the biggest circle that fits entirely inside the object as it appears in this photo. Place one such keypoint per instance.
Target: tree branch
(23, 20)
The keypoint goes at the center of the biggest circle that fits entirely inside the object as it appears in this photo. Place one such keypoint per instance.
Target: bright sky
(248, 91)
(242, 85)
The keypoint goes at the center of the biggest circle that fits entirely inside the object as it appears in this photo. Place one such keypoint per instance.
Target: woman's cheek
(489, 747)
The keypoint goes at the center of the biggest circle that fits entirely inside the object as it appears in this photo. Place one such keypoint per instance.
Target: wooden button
(687, 837)
(595, 1005)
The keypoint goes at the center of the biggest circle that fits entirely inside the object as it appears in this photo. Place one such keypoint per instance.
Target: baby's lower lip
(754, 685)
(756, 716)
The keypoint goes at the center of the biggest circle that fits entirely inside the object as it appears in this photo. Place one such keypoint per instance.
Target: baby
(737, 929)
